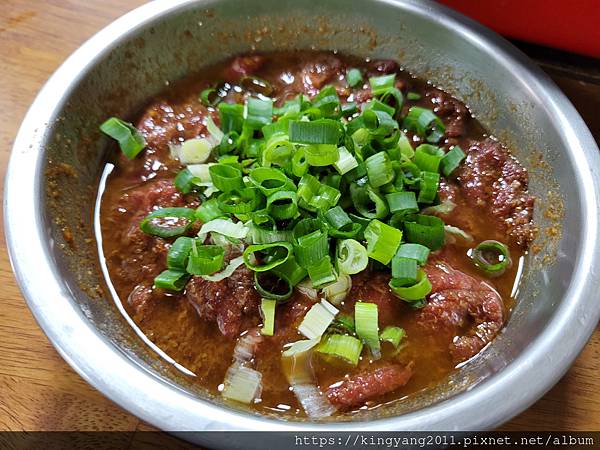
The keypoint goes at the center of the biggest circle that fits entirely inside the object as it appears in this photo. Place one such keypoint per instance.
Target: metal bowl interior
(58, 157)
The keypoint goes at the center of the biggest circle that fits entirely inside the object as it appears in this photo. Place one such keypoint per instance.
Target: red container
(572, 25)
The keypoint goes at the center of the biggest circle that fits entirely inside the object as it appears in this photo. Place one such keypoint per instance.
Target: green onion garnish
(172, 279)
(317, 319)
(413, 96)
(491, 257)
(366, 322)
(270, 255)
(382, 84)
(323, 131)
(267, 310)
(393, 335)
(425, 123)
(342, 346)
(129, 138)
(168, 222)
(452, 160)
(379, 169)
(418, 252)
(414, 292)
(205, 259)
(178, 254)
(353, 77)
(352, 256)
(210, 97)
(226, 178)
(382, 241)
(258, 112)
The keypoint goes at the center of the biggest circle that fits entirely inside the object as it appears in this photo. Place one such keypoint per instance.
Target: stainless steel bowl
(58, 155)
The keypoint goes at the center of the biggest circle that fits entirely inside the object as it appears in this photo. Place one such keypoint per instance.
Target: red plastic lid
(569, 25)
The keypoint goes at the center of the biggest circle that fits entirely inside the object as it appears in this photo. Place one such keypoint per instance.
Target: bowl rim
(171, 408)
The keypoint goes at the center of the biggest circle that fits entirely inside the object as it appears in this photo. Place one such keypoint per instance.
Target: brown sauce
(172, 323)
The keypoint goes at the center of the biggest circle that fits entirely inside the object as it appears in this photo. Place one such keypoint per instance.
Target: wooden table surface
(38, 390)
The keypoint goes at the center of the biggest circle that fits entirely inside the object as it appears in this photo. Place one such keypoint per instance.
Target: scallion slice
(393, 335)
(258, 112)
(428, 157)
(404, 270)
(323, 131)
(402, 202)
(129, 138)
(319, 155)
(270, 285)
(368, 202)
(452, 160)
(352, 257)
(342, 346)
(172, 280)
(379, 169)
(242, 384)
(178, 254)
(337, 291)
(209, 210)
(322, 272)
(366, 322)
(346, 161)
(425, 123)
(267, 310)
(232, 117)
(418, 252)
(317, 319)
(226, 178)
(168, 222)
(311, 248)
(353, 77)
(193, 151)
(429, 184)
(210, 97)
(269, 180)
(412, 293)
(225, 227)
(382, 84)
(241, 201)
(426, 230)
(283, 205)
(382, 241)
(271, 255)
(491, 257)
(205, 259)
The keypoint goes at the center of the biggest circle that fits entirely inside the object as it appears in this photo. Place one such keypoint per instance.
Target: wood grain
(38, 390)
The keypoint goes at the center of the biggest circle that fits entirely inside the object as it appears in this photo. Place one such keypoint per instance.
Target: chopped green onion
(232, 117)
(200, 171)
(322, 272)
(327, 101)
(209, 210)
(325, 198)
(366, 322)
(323, 131)
(283, 205)
(418, 252)
(299, 162)
(225, 227)
(346, 161)
(353, 77)
(428, 157)
(382, 84)
(348, 348)
(317, 319)
(210, 97)
(267, 310)
(427, 231)
(402, 202)
(241, 201)
(129, 138)
(393, 335)
(269, 180)
(178, 254)
(258, 112)
(308, 187)
(227, 271)
(368, 202)
(491, 257)
(226, 178)
(413, 96)
(343, 324)
(291, 271)
(352, 257)
(193, 151)
(168, 222)
(429, 184)
(379, 169)
(205, 259)
(321, 154)
(311, 248)
(242, 384)
(337, 218)
(349, 108)
(185, 181)
(382, 241)
(336, 292)
(272, 286)
(404, 270)
(275, 254)
(425, 123)
(172, 279)
(452, 160)
(414, 292)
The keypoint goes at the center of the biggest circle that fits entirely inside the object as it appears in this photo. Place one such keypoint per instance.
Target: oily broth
(172, 323)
